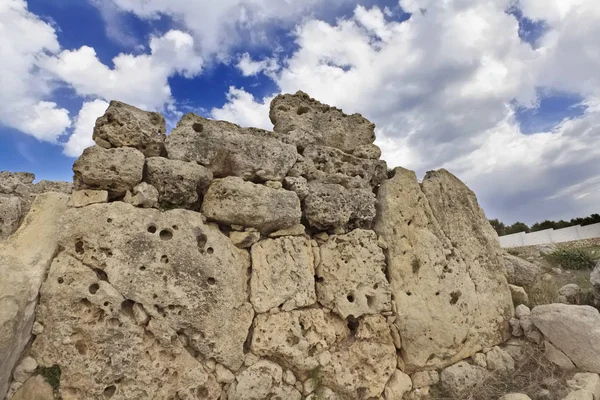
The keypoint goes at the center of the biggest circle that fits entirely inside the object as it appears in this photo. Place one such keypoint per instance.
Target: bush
(575, 259)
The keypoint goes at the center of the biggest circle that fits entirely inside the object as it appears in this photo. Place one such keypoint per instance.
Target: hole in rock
(101, 274)
(79, 247)
(109, 220)
(302, 110)
(94, 288)
(370, 301)
(152, 229)
(437, 293)
(319, 278)
(127, 307)
(454, 296)
(210, 250)
(202, 393)
(113, 168)
(198, 127)
(60, 281)
(164, 259)
(142, 268)
(353, 323)
(409, 222)
(175, 227)
(166, 234)
(409, 293)
(201, 240)
(81, 347)
(106, 304)
(350, 298)
(211, 281)
(110, 391)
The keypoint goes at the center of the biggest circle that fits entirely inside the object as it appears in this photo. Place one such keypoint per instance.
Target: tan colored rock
(123, 125)
(297, 184)
(570, 294)
(480, 360)
(25, 369)
(82, 198)
(143, 195)
(244, 239)
(518, 294)
(11, 212)
(178, 182)
(232, 201)
(398, 385)
(586, 381)
(424, 378)
(520, 272)
(452, 301)
(257, 382)
(369, 151)
(115, 170)
(557, 357)
(522, 311)
(459, 379)
(331, 206)
(580, 394)
(223, 375)
(296, 230)
(10, 182)
(351, 275)
(229, 150)
(187, 276)
(499, 361)
(282, 274)
(35, 388)
(327, 163)
(574, 330)
(24, 260)
(515, 324)
(302, 120)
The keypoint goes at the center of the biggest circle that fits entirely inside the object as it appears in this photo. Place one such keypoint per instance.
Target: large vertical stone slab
(24, 260)
(441, 316)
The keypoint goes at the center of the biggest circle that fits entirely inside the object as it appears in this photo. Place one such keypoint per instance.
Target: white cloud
(81, 138)
(442, 86)
(249, 67)
(244, 110)
(24, 89)
(141, 80)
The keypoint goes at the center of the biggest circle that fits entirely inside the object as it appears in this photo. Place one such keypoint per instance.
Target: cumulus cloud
(243, 109)
(141, 80)
(444, 88)
(24, 88)
(81, 138)
(250, 67)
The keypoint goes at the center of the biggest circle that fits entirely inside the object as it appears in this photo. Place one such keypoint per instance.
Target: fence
(571, 233)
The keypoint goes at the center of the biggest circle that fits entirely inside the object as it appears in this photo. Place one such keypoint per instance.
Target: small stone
(398, 385)
(322, 237)
(289, 377)
(309, 386)
(480, 359)
(580, 394)
(251, 359)
(244, 240)
(35, 388)
(13, 389)
(522, 311)
(519, 296)
(274, 184)
(144, 195)
(37, 329)
(515, 324)
(140, 315)
(237, 227)
(324, 358)
(424, 378)
(223, 375)
(499, 361)
(82, 198)
(24, 369)
(210, 365)
(586, 381)
(570, 293)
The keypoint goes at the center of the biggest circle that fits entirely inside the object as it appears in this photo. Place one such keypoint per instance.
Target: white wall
(576, 232)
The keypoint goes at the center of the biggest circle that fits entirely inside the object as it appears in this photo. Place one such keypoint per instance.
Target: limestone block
(143, 195)
(35, 388)
(459, 379)
(11, 212)
(520, 272)
(178, 182)
(557, 357)
(123, 125)
(398, 385)
(232, 201)
(282, 274)
(82, 198)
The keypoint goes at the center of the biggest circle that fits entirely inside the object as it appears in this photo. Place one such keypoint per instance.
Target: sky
(503, 93)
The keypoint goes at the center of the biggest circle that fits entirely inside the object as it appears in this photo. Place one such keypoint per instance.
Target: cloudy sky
(503, 93)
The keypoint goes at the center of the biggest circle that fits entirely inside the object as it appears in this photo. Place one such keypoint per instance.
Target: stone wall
(222, 262)
(17, 192)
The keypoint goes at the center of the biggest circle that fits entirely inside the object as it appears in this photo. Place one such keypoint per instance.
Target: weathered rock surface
(303, 121)
(351, 275)
(574, 330)
(123, 125)
(459, 379)
(24, 260)
(232, 201)
(11, 211)
(262, 380)
(330, 206)
(121, 263)
(557, 357)
(35, 388)
(518, 295)
(586, 381)
(143, 195)
(282, 274)
(398, 385)
(178, 182)
(520, 272)
(451, 301)
(115, 170)
(312, 342)
(229, 150)
(82, 198)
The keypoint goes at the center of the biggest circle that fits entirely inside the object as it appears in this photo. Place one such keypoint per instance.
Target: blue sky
(503, 93)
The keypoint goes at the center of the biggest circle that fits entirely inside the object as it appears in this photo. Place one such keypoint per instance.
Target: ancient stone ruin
(221, 262)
